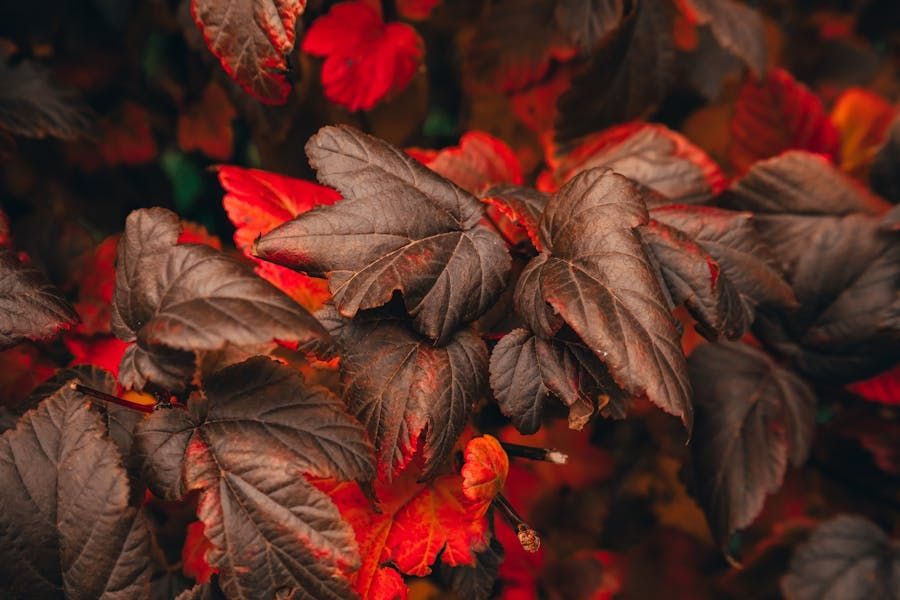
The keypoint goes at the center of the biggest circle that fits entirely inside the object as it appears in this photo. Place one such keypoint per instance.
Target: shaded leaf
(710, 65)
(752, 417)
(626, 79)
(206, 125)
(476, 582)
(884, 177)
(173, 299)
(65, 523)
(777, 114)
(366, 59)
(588, 22)
(30, 307)
(847, 557)
(517, 206)
(862, 119)
(245, 447)
(737, 27)
(31, 105)
(401, 228)
(251, 38)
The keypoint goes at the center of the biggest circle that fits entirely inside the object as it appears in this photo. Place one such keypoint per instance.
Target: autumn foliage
(423, 299)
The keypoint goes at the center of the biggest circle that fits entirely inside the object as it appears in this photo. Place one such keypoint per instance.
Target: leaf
(416, 10)
(862, 120)
(652, 155)
(411, 526)
(193, 555)
(626, 79)
(737, 28)
(251, 39)
(172, 299)
(402, 388)
(366, 59)
(484, 470)
(95, 290)
(588, 22)
(526, 368)
(516, 206)
(30, 308)
(515, 44)
(598, 278)
(32, 105)
(65, 524)
(476, 582)
(777, 114)
(883, 175)
(883, 388)
(401, 228)
(847, 557)
(206, 125)
(843, 268)
(479, 162)
(245, 447)
(752, 416)
(709, 65)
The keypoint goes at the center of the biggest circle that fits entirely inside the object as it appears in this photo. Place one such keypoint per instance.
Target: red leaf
(193, 554)
(195, 233)
(862, 119)
(416, 10)
(22, 368)
(206, 125)
(101, 351)
(883, 388)
(479, 162)
(778, 114)
(95, 290)
(415, 522)
(251, 38)
(365, 59)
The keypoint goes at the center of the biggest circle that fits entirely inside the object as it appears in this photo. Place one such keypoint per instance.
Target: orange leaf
(478, 163)
(485, 469)
(206, 125)
(862, 119)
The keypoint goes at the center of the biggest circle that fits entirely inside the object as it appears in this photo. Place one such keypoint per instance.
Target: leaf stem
(550, 455)
(528, 537)
(87, 391)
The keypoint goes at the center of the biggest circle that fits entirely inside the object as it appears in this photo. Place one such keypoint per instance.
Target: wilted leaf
(251, 38)
(245, 446)
(65, 523)
(31, 105)
(401, 228)
(752, 416)
(30, 308)
(777, 114)
(847, 557)
(173, 299)
(366, 59)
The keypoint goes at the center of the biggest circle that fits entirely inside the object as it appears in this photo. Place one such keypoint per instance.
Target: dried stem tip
(528, 537)
(530, 452)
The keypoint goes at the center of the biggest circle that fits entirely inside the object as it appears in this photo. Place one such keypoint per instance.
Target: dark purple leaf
(30, 308)
(737, 27)
(588, 22)
(173, 299)
(401, 228)
(752, 417)
(709, 65)
(846, 558)
(884, 175)
(476, 582)
(66, 528)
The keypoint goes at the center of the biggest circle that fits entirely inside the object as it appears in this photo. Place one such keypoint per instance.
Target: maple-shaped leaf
(653, 155)
(752, 417)
(626, 79)
(843, 267)
(414, 523)
(32, 105)
(245, 445)
(519, 52)
(775, 114)
(886, 164)
(516, 206)
(366, 59)
(404, 389)
(846, 557)
(401, 228)
(479, 162)
(206, 124)
(588, 22)
(30, 307)
(526, 368)
(251, 39)
(742, 264)
(174, 299)
(735, 26)
(65, 523)
(595, 273)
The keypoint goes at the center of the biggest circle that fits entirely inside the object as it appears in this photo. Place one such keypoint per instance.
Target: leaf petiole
(528, 537)
(87, 391)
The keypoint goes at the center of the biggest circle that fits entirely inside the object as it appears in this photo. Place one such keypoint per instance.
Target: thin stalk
(550, 455)
(144, 408)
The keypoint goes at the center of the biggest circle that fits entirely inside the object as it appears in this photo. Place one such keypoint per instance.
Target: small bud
(529, 538)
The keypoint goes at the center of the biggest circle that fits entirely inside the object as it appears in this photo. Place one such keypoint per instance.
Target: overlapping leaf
(246, 446)
(65, 523)
(479, 162)
(846, 557)
(404, 389)
(173, 299)
(588, 22)
(401, 228)
(752, 417)
(862, 119)
(514, 207)
(30, 307)
(886, 165)
(251, 38)
(843, 267)
(366, 59)
(736, 27)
